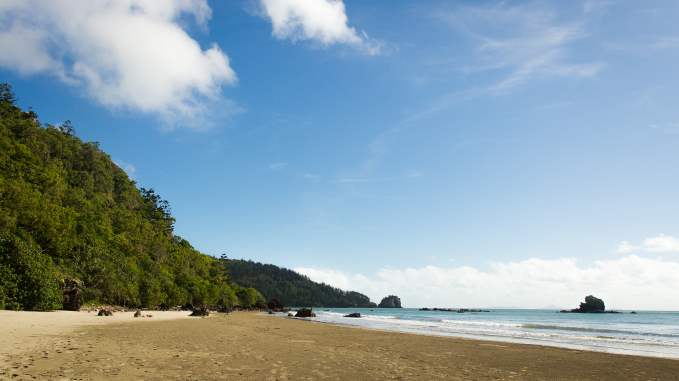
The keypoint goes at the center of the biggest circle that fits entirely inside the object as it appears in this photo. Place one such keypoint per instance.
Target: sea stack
(592, 304)
(391, 301)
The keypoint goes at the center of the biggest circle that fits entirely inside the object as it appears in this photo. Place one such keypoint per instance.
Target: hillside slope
(292, 288)
(67, 211)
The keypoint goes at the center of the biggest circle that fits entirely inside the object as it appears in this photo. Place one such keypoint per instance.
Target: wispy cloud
(323, 21)
(665, 128)
(666, 42)
(277, 165)
(312, 177)
(659, 244)
(592, 6)
(521, 43)
(359, 180)
(628, 282)
(290, 171)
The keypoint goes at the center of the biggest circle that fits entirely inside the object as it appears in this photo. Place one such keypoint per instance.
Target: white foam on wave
(574, 337)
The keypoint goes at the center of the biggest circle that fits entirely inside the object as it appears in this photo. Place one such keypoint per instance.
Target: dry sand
(258, 347)
(24, 334)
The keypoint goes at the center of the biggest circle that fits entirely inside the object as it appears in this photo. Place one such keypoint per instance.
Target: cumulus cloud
(630, 282)
(521, 42)
(324, 21)
(133, 54)
(659, 244)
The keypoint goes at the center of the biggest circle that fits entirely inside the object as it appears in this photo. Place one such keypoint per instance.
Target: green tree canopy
(67, 211)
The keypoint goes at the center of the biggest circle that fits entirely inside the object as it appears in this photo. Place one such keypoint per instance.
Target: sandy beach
(24, 335)
(63, 345)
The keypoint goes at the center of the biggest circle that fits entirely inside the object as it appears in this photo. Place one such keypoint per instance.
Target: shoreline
(252, 345)
(625, 335)
(499, 339)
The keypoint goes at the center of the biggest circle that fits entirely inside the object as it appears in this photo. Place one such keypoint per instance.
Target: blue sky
(360, 141)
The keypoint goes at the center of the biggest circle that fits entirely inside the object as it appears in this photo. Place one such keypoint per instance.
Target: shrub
(250, 297)
(29, 278)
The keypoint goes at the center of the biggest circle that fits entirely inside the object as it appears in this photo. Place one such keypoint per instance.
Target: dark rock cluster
(458, 310)
(391, 301)
(187, 307)
(305, 313)
(275, 305)
(353, 315)
(72, 294)
(105, 312)
(225, 309)
(200, 311)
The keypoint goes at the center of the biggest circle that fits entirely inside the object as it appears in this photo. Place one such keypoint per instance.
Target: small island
(592, 304)
(391, 301)
(458, 310)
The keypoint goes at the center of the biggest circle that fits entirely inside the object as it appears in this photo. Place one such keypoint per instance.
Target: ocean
(646, 333)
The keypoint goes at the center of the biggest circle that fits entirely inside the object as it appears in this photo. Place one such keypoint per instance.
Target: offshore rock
(305, 313)
(459, 310)
(391, 301)
(591, 304)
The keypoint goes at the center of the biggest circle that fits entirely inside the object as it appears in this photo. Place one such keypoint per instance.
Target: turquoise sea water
(645, 333)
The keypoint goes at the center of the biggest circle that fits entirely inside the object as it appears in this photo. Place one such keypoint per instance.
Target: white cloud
(668, 42)
(521, 43)
(369, 180)
(324, 21)
(311, 177)
(666, 128)
(591, 6)
(133, 54)
(410, 175)
(630, 282)
(659, 244)
(277, 165)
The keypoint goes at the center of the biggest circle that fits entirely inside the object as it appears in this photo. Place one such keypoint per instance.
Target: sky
(454, 153)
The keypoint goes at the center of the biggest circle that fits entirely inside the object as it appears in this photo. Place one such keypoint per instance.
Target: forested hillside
(67, 211)
(292, 288)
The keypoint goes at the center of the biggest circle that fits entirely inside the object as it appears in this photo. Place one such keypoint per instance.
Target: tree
(6, 93)
(68, 212)
(67, 128)
(290, 287)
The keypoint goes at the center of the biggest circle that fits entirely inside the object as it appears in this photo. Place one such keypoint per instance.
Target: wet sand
(254, 346)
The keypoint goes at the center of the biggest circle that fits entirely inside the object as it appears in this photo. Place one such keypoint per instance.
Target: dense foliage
(291, 288)
(68, 212)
